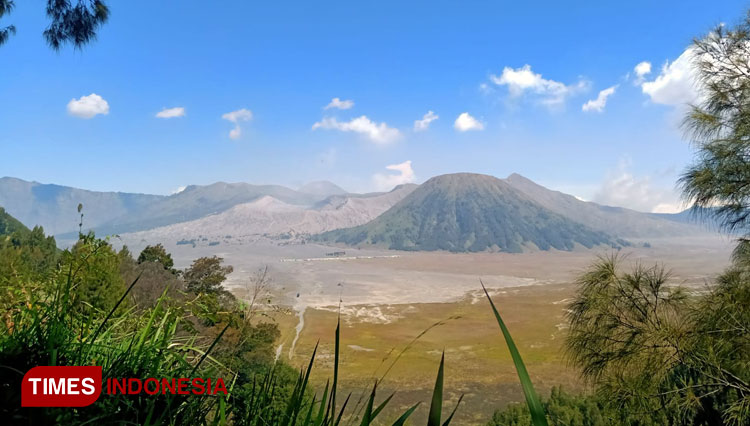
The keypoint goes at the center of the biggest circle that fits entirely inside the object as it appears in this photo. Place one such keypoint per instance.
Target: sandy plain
(387, 298)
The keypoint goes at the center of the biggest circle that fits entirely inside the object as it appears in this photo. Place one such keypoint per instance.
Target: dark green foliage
(659, 356)
(157, 254)
(6, 6)
(154, 281)
(79, 317)
(26, 256)
(51, 330)
(469, 212)
(29, 254)
(720, 351)
(206, 275)
(564, 409)
(24, 253)
(74, 22)
(616, 317)
(718, 183)
(9, 224)
(93, 268)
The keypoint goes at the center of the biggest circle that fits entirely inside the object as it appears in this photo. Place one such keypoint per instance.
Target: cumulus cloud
(339, 104)
(521, 81)
(600, 102)
(376, 132)
(621, 188)
(88, 106)
(236, 117)
(171, 112)
(386, 182)
(466, 122)
(239, 115)
(424, 123)
(676, 84)
(179, 189)
(641, 71)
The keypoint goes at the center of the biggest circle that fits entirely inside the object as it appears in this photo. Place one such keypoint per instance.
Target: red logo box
(61, 386)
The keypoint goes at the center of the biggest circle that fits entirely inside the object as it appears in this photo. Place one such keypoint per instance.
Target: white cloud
(676, 84)
(378, 133)
(466, 122)
(424, 123)
(88, 106)
(339, 104)
(236, 132)
(523, 80)
(386, 182)
(239, 115)
(236, 117)
(621, 188)
(600, 102)
(171, 112)
(641, 71)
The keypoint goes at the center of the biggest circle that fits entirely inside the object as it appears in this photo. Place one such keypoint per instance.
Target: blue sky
(254, 78)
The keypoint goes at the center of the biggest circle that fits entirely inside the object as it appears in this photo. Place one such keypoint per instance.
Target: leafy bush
(659, 354)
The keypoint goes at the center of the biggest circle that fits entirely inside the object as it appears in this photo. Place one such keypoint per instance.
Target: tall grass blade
(343, 407)
(208, 351)
(308, 417)
(295, 402)
(402, 420)
(332, 401)
(436, 407)
(448, 420)
(336, 364)
(382, 405)
(321, 411)
(367, 416)
(114, 308)
(538, 418)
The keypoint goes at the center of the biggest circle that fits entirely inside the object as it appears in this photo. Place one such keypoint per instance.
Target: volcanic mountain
(470, 212)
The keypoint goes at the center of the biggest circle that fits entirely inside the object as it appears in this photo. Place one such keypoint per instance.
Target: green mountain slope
(9, 224)
(469, 212)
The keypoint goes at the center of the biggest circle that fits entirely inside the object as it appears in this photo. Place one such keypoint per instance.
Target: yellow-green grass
(477, 359)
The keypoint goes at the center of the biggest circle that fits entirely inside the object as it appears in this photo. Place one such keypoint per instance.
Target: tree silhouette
(718, 182)
(74, 22)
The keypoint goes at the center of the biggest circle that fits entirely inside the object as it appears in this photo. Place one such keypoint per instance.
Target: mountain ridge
(271, 217)
(315, 211)
(470, 212)
(620, 221)
(111, 212)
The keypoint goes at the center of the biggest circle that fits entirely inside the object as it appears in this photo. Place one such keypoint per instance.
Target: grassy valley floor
(478, 363)
(387, 301)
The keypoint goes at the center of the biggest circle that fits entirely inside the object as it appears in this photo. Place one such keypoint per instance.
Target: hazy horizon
(268, 94)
